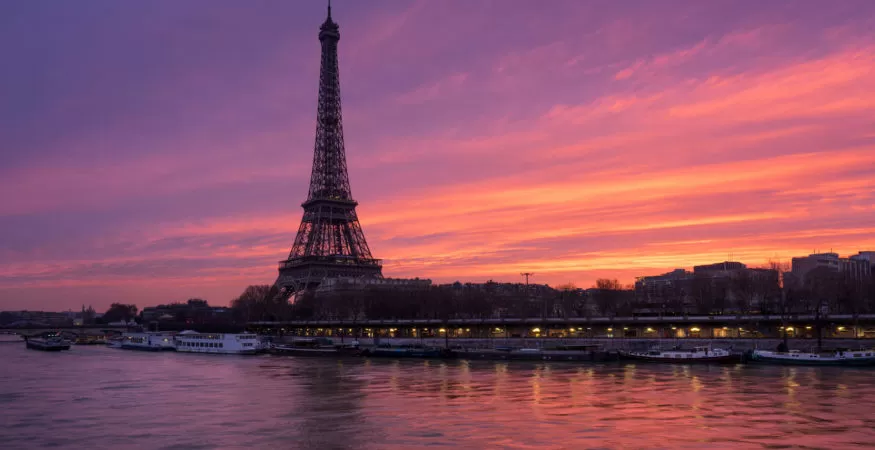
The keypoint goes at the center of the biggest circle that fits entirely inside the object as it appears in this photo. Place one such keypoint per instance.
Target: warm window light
(841, 328)
(649, 330)
(789, 328)
(674, 328)
(610, 329)
(694, 330)
(498, 330)
(571, 330)
(536, 330)
(808, 327)
(625, 328)
(442, 330)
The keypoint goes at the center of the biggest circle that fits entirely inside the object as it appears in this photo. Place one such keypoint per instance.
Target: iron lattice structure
(330, 241)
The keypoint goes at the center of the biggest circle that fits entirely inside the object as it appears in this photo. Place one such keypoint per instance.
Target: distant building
(504, 289)
(724, 266)
(36, 318)
(682, 291)
(194, 311)
(857, 267)
(869, 257)
(658, 293)
(357, 283)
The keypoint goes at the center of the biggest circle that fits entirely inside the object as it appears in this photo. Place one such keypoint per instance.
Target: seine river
(96, 398)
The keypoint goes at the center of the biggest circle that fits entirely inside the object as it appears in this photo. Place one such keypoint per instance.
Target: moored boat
(50, 342)
(407, 351)
(90, 340)
(695, 355)
(840, 357)
(114, 342)
(555, 353)
(218, 343)
(316, 347)
(147, 341)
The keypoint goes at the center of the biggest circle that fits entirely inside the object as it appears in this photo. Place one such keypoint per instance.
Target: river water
(96, 397)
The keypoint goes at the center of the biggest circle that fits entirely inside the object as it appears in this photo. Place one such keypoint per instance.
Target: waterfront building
(857, 267)
(722, 287)
(725, 266)
(194, 311)
(335, 284)
(868, 257)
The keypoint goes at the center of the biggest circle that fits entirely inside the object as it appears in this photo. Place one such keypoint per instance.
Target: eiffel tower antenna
(330, 242)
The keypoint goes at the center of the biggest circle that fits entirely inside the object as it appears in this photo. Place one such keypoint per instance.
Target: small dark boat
(408, 351)
(840, 357)
(315, 347)
(677, 355)
(49, 342)
(532, 354)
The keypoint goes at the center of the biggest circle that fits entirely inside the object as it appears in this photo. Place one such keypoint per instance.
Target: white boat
(218, 343)
(823, 358)
(147, 341)
(703, 354)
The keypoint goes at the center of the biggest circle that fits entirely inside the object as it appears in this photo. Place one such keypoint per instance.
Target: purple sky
(156, 151)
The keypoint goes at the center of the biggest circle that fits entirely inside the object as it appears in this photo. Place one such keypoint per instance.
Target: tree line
(743, 294)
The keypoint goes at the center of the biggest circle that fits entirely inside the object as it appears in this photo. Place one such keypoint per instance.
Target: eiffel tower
(330, 242)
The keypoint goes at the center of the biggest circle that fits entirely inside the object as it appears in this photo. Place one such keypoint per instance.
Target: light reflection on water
(94, 397)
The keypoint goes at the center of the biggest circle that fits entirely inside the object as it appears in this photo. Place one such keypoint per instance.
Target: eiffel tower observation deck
(330, 242)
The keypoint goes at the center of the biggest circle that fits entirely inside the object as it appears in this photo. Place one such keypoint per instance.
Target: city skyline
(162, 151)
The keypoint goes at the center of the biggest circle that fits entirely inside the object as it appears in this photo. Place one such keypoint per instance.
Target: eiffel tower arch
(330, 242)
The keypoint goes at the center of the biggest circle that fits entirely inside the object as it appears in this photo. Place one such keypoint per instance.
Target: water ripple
(94, 397)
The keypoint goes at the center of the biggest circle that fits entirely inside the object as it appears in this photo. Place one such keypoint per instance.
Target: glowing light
(610, 329)
(536, 330)
(649, 330)
(442, 330)
(695, 329)
(841, 328)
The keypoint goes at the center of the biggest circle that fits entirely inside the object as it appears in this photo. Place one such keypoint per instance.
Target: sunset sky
(155, 151)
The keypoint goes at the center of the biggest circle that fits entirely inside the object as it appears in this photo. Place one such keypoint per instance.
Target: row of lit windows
(202, 344)
(203, 336)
